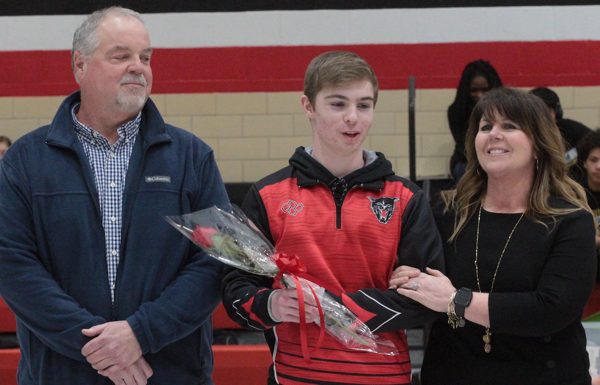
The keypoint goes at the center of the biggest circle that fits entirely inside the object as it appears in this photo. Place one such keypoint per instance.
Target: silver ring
(415, 286)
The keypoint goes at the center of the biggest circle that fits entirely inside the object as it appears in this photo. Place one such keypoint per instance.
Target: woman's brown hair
(550, 174)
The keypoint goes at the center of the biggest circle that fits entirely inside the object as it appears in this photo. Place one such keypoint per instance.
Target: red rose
(203, 236)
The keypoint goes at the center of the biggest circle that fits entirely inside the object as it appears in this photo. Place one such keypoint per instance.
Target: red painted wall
(272, 69)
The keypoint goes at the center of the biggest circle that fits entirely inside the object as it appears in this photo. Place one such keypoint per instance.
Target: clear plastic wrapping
(230, 237)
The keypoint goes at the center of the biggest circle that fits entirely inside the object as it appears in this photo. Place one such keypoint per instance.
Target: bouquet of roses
(230, 237)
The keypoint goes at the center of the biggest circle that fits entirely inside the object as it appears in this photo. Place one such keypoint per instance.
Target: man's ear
(306, 106)
(78, 64)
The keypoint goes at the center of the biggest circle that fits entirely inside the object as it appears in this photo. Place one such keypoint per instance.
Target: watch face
(463, 297)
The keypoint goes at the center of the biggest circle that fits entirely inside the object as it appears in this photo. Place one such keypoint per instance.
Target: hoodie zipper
(339, 190)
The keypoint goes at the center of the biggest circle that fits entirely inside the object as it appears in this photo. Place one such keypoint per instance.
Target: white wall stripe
(24, 33)
(326, 27)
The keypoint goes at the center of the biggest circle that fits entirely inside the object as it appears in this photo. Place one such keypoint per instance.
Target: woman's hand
(432, 290)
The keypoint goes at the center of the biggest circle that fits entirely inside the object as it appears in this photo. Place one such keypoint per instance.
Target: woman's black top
(542, 285)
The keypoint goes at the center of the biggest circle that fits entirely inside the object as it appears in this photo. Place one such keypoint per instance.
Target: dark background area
(70, 7)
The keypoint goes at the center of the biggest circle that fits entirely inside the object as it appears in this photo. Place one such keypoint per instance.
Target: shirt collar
(126, 131)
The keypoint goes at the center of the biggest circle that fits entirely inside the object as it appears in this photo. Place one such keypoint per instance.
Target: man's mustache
(141, 79)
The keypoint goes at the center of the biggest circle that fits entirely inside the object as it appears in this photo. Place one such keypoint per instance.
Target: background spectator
(588, 150)
(570, 130)
(477, 78)
(4, 145)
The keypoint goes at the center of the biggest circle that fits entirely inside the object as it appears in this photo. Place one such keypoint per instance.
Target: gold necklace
(487, 338)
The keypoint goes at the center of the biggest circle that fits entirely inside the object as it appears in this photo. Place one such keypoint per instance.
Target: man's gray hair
(85, 39)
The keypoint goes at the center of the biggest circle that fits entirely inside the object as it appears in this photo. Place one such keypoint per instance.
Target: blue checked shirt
(109, 165)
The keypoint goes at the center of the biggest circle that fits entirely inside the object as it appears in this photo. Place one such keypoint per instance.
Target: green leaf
(226, 245)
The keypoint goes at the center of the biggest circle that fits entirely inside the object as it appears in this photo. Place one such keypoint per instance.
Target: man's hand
(284, 306)
(401, 275)
(114, 347)
(134, 374)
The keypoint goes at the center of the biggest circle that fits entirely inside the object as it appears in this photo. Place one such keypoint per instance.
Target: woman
(477, 78)
(519, 246)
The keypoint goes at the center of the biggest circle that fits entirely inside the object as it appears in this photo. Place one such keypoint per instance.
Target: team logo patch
(383, 208)
(292, 207)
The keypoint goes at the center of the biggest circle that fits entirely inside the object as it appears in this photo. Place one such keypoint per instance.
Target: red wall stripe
(271, 69)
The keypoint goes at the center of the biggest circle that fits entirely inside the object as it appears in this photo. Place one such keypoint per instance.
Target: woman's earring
(537, 163)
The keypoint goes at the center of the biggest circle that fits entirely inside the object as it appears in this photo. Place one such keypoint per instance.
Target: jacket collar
(152, 126)
(310, 172)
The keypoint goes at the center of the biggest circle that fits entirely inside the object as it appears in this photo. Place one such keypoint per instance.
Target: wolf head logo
(383, 208)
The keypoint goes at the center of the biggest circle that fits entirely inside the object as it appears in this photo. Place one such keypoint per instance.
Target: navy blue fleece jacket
(52, 252)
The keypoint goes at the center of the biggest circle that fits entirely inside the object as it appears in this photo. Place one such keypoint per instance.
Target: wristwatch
(462, 299)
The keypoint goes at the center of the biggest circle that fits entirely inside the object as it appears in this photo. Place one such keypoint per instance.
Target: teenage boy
(351, 220)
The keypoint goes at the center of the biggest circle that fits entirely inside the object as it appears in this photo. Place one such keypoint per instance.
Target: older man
(99, 282)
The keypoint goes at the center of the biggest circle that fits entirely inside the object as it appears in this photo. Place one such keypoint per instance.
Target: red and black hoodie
(350, 232)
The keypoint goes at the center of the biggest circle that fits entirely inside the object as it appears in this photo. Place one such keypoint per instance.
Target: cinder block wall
(254, 134)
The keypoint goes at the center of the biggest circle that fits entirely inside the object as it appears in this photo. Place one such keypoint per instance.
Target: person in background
(477, 78)
(588, 152)
(520, 255)
(5, 143)
(350, 219)
(571, 131)
(102, 286)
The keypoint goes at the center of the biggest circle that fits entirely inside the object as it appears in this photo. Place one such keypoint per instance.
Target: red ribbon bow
(291, 264)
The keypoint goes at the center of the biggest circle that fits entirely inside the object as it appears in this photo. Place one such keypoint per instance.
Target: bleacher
(239, 354)
(9, 346)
